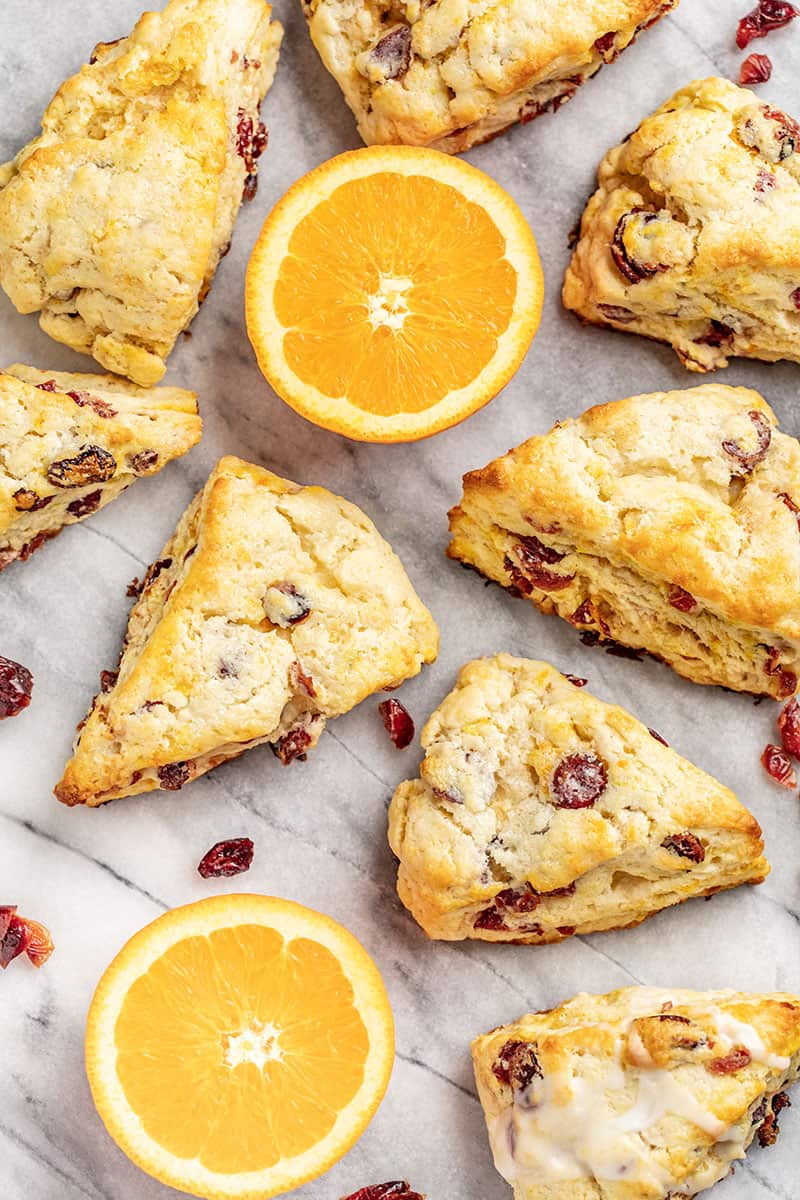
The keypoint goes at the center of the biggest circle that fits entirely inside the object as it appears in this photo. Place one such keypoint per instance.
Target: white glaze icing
(740, 1033)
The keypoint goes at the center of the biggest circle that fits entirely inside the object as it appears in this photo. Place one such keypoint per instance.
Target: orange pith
(239, 1057)
(392, 292)
(443, 304)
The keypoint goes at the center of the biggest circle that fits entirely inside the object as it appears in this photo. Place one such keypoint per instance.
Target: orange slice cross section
(238, 1047)
(392, 292)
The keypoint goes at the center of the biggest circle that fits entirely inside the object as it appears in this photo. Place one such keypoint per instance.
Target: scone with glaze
(667, 522)
(450, 75)
(693, 235)
(113, 220)
(272, 608)
(71, 443)
(541, 812)
(642, 1094)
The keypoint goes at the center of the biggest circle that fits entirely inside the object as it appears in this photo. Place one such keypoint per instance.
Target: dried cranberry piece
(84, 506)
(789, 728)
(520, 899)
(15, 940)
(517, 1065)
(778, 765)
(40, 943)
(685, 845)
(569, 890)
(288, 607)
(397, 722)
(299, 680)
(633, 270)
(787, 680)
(393, 52)
(616, 312)
(578, 781)
(767, 1114)
(655, 734)
(738, 1058)
(173, 776)
(718, 334)
(49, 385)
(7, 911)
(765, 181)
(604, 45)
(530, 571)
(144, 461)
(491, 919)
(249, 188)
(150, 576)
(750, 459)
(790, 504)
(766, 16)
(16, 685)
(28, 501)
(86, 400)
(251, 139)
(292, 745)
(92, 464)
(228, 858)
(756, 68)
(681, 599)
(398, 1189)
(795, 298)
(576, 680)
(108, 680)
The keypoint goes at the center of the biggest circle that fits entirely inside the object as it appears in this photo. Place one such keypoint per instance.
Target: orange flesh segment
(453, 300)
(176, 1024)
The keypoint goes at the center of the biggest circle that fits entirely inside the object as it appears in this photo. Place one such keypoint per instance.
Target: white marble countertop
(96, 876)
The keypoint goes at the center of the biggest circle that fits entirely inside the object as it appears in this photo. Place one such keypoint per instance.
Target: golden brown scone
(642, 1094)
(693, 236)
(113, 220)
(667, 522)
(272, 608)
(541, 812)
(70, 443)
(449, 75)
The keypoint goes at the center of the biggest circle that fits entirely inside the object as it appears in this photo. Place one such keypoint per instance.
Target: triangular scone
(693, 236)
(113, 220)
(450, 75)
(272, 608)
(70, 443)
(543, 812)
(643, 1094)
(667, 522)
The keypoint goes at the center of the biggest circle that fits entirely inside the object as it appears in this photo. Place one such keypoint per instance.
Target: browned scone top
(641, 1094)
(667, 522)
(272, 608)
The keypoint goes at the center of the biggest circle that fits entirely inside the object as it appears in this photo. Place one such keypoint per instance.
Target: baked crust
(641, 1094)
(272, 608)
(611, 519)
(693, 235)
(449, 77)
(70, 443)
(488, 849)
(113, 220)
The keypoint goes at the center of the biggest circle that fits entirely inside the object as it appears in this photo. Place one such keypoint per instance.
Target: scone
(693, 236)
(70, 443)
(667, 522)
(113, 220)
(541, 812)
(450, 75)
(272, 608)
(642, 1094)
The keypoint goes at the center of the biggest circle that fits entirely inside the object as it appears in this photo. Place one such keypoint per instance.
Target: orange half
(239, 1046)
(392, 292)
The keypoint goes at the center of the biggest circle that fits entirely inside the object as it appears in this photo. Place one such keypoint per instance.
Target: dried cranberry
(685, 845)
(292, 745)
(655, 734)
(633, 270)
(605, 46)
(750, 459)
(795, 298)
(766, 1116)
(393, 52)
(398, 1189)
(144, 461)
(173, 776)
(86, 400)
(300, 681)
(28, 501)
(15, 940)
(576, 680)
(108, 680)
(681, 599)
(7, 911)
(579, 780)
(288, 607)
(717, 334)
(530, 571)
(616, 312)
(397, 722)
(251, 139)
(49, 385)
(491, 919)
(517, 1065)
(20, 935)
(790, 504)
(16, 685)
(151, 575)
(789, 728)
(787, 680)
(92, 464)
(765, 181)
(40, 943)
(520, 899)
(778, 765)
(250, 187)
(232, 857)
(756, 68)
(738, 1058)
(84, 506)
(766, 16)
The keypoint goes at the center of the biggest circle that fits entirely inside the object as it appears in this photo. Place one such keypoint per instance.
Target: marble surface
(320, 828)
